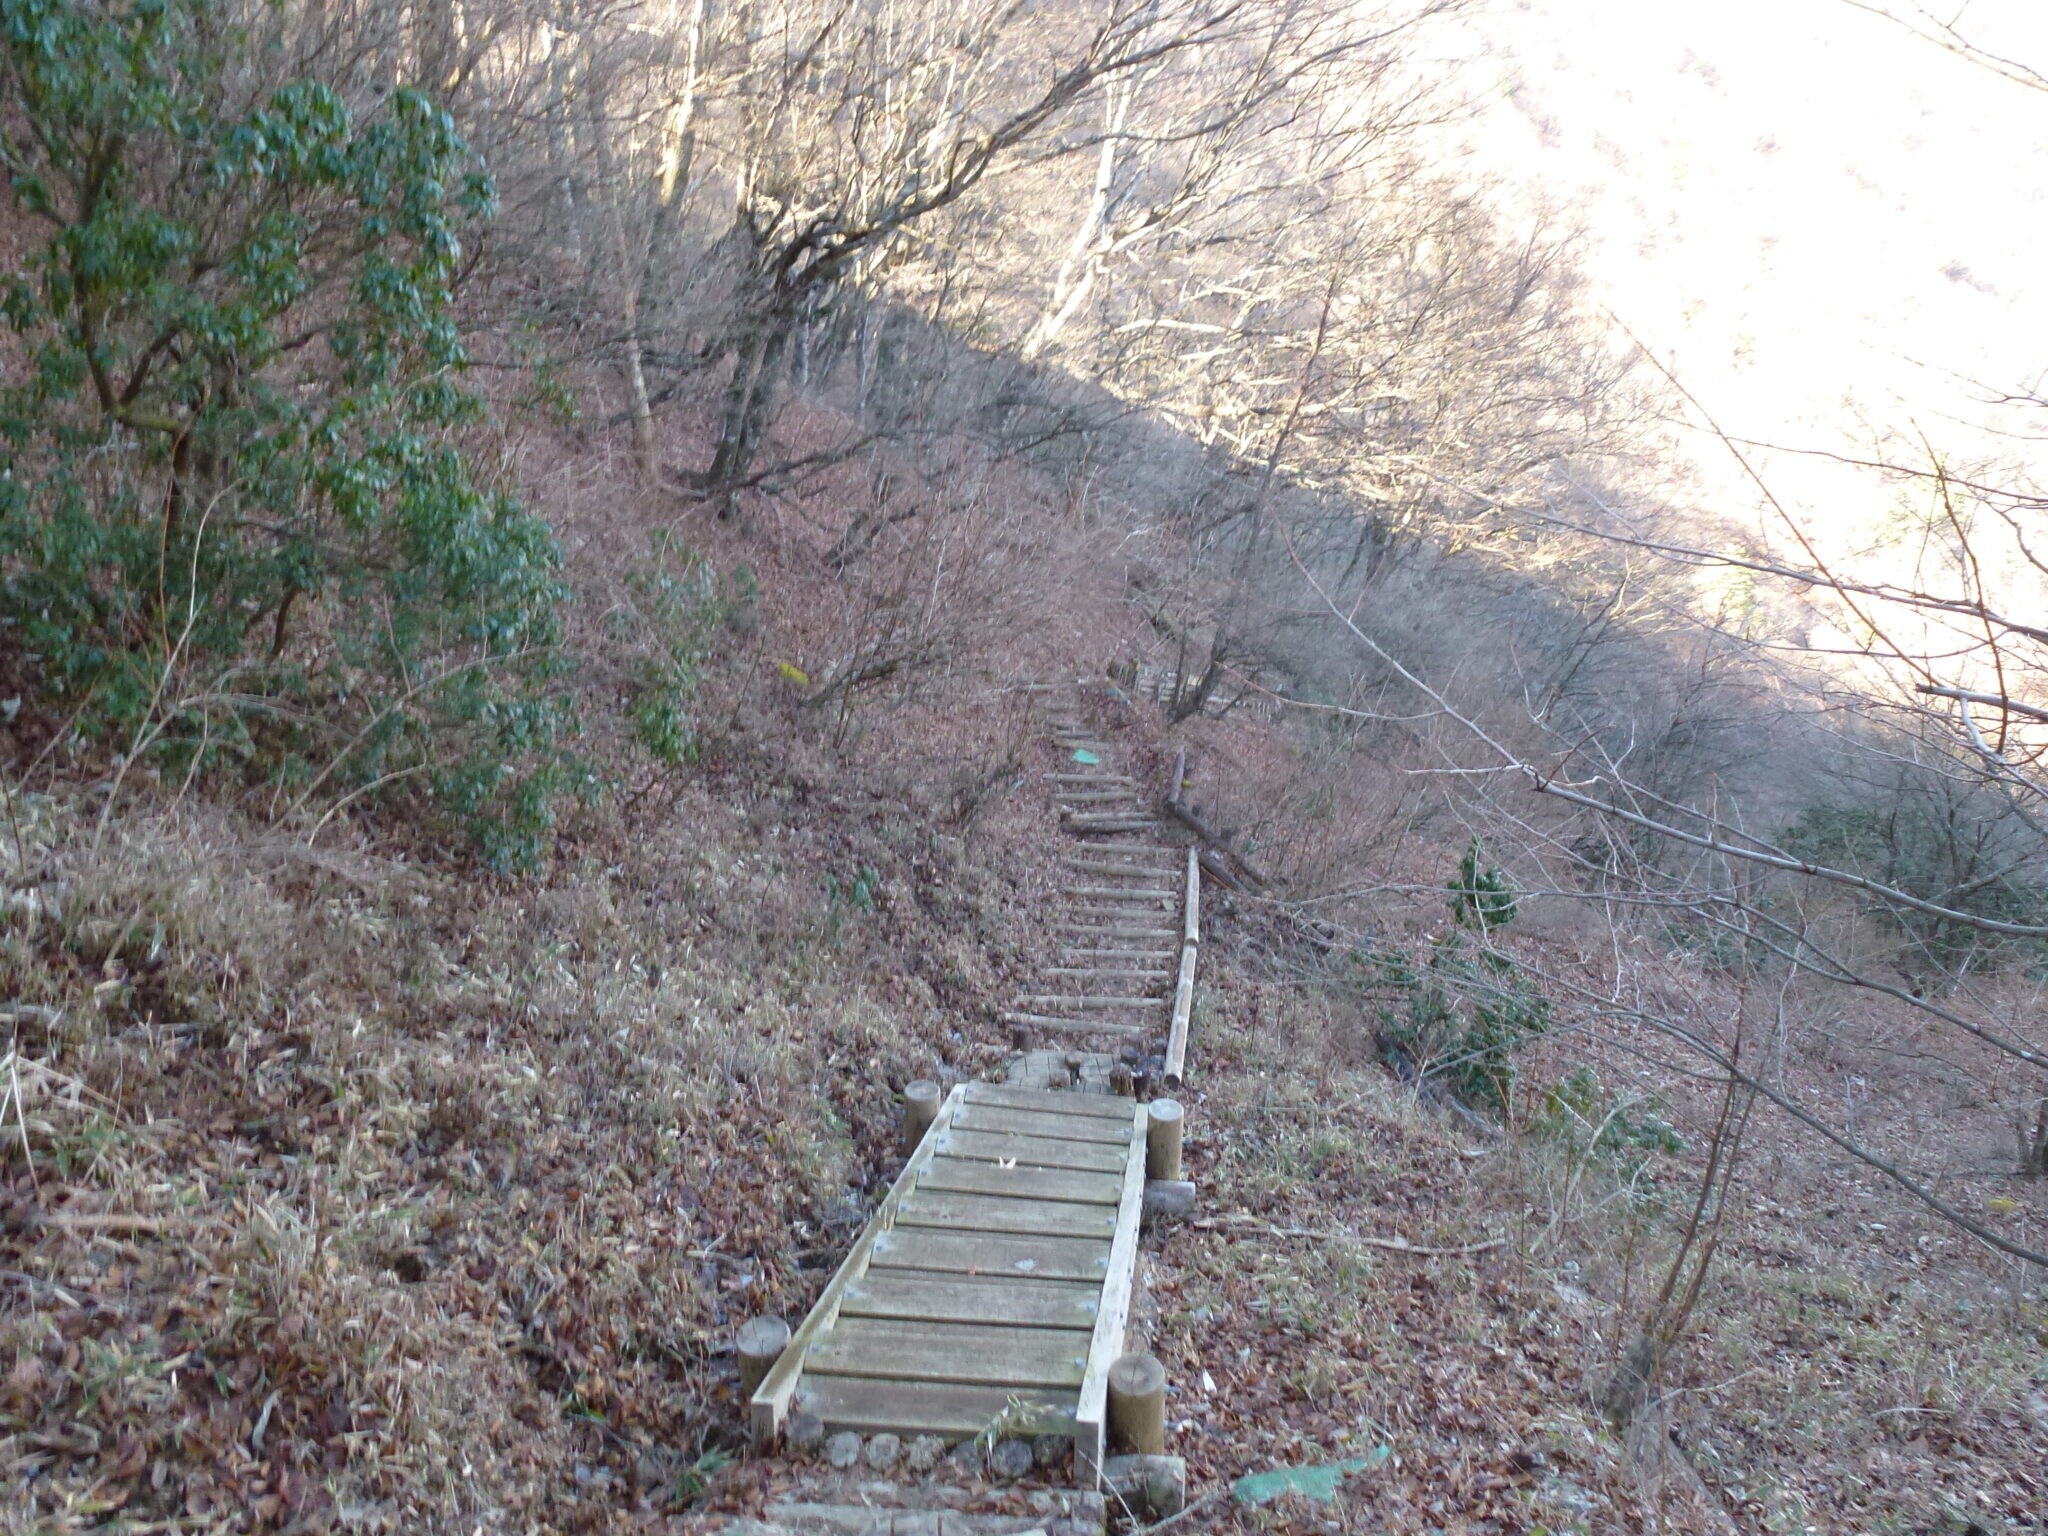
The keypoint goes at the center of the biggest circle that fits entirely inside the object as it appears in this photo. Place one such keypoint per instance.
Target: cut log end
(760, 1342)
(920, 1109)
(1137, 1405)
(1164, 1122)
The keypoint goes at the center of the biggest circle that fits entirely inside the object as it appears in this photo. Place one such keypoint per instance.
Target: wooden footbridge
(989, 1293)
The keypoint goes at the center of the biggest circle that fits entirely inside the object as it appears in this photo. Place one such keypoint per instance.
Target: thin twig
(1171, 1520)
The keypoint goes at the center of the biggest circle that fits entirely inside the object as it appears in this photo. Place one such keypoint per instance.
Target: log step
(1071, 1000)
(1076, 1026)
(1096, 931)
(1070, 953)
(1078, 972)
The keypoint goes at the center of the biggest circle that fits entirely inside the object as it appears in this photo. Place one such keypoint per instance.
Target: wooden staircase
(988, 1296)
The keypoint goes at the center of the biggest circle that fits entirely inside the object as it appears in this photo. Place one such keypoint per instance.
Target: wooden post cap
(1137, 1405)
(1163, 1123)
(920, 1109)
(761, 1342)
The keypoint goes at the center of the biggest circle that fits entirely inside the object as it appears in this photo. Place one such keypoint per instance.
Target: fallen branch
(90, 1221)
(1215, 846)
(1391, 1244)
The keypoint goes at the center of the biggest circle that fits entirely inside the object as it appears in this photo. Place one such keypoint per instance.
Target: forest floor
(350, 1189)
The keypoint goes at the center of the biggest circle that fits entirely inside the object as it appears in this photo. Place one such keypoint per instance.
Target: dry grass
(1854, 1365)
(370, 1198)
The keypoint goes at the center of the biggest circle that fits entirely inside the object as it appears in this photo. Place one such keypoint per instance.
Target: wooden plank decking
(993, 1282)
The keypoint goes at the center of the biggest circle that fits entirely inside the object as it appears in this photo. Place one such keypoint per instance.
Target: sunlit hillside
(1828, 228)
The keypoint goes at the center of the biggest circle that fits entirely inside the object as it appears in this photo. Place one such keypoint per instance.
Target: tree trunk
(1633, 1386)
(1078, 272)
(749, 400)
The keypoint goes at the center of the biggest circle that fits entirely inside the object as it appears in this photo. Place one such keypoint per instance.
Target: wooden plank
(991, 1213)
(1191, 932)
(964, 1177)
(910, 1294)
(1034, 1122)
(987, 1354)
(1031, 1151)
(1183, 1013)
(1068, 952)
(1099, 972)
(1119, 893)
(1019, 1260)
(1091, 1412)
(933, 1408)
(1053, 1103)
(769, 1405)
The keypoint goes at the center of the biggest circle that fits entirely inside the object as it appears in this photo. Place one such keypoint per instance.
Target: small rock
(805, 1432)
(1166, 1491)
(967, 1456)
(843, 1449)
(657, 1467)
(883, 1451)
(1153, 1486)
(1012, 1459)
(924, 1453)
(1052, 1450)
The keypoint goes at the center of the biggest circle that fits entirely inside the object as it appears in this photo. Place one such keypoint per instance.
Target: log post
(761, 1343)
(920, 1109)
(1137, 1405)
(1163, 1122)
